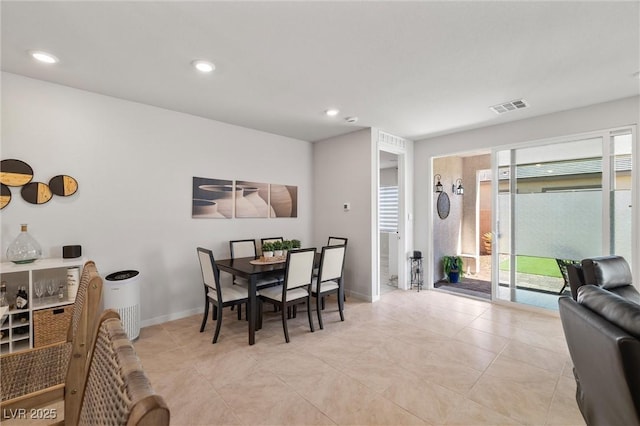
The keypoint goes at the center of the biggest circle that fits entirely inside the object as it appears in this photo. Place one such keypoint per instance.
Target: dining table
(253, 269)
(249, 268)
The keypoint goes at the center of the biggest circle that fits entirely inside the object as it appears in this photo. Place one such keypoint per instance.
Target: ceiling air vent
(509, 106)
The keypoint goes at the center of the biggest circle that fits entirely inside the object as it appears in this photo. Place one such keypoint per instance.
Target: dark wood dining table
(242, 267)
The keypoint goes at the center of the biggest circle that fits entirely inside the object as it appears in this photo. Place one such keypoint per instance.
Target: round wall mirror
(443, 205)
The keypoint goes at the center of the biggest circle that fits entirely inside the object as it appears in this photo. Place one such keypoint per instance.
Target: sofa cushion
(607, 272)
(617, 310)
(628, 292)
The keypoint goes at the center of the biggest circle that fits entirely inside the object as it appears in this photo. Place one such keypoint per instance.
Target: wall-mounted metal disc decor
(63, 185)
(443, 205)
(5, 196)
(15, 172)
(36, 193)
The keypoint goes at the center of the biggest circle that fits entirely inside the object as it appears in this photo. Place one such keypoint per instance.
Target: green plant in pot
(277, 248)
(296, 244)
(453, 268)
(286, 246)
(267, 250)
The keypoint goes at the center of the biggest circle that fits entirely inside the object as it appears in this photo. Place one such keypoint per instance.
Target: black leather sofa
(609, 272)
(602, 330)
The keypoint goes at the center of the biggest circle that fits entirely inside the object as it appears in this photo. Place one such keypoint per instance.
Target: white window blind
(388, 208)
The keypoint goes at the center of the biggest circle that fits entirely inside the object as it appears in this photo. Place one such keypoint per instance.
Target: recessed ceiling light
(332, 112)
(44, 57)
(203, 66)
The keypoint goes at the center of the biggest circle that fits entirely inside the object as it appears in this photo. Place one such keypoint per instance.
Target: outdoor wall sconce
(458, 190)
(438, 186)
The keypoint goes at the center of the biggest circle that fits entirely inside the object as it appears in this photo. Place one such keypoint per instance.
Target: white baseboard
(171, 317)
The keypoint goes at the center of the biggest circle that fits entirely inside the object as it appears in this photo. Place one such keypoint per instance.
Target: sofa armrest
(576, 279)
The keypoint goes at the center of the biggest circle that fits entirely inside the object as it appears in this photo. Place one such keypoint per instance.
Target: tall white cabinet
(18, 329)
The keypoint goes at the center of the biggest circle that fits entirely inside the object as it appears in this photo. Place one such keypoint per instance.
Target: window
(388, 208)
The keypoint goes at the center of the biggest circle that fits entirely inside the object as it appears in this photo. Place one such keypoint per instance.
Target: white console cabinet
(17, 329)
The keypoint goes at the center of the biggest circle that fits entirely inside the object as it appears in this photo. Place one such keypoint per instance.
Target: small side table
(417, 273)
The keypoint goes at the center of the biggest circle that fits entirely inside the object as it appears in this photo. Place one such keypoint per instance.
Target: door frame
(403, 148)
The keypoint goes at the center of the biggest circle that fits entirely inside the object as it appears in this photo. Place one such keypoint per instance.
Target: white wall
(343, 174)
(134, 164)
(613, 114)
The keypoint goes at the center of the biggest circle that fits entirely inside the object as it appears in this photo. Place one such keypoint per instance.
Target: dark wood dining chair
(270, 240)
(337, 241)
(247, 248)
(329, 279)
(296, 286)
(219, 295)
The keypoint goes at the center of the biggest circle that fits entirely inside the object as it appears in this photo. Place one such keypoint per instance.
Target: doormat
(469, 286)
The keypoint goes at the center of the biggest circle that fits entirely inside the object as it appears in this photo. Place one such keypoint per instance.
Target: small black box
(417, 254)
(71, 252)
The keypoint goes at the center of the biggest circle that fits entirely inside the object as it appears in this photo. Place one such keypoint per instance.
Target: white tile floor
(428, 358)
(412, 358)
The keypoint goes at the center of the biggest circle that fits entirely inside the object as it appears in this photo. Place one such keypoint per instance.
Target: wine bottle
(22, 300)
(3, 294)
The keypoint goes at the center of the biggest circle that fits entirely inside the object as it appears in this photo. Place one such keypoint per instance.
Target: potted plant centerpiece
(295, 244)
(267, 250)
(453, 268)
(277, 248)
(286, 246)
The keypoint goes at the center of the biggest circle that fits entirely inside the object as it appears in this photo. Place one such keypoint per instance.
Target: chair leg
(318, 311)
(322, 302)
(284, 324)
(218, 326)
(309, 313)
(206, 315)
(239, 311)
(341, 305)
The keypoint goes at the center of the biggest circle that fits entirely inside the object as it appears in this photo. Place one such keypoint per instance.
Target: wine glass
(51, 288)
(39, 289)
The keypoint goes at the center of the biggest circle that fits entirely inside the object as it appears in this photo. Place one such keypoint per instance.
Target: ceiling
(412, 69)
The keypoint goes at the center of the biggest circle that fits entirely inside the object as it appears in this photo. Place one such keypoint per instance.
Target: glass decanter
(24, 249)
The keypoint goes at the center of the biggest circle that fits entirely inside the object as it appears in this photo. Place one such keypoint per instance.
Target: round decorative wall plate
(15, 172)
(443, 205)
(5, 196)
(36, 193)
(63, 185)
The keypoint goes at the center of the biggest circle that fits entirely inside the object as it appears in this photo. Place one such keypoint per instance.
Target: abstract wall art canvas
(212, 198)
(284, 200)
(252, 199)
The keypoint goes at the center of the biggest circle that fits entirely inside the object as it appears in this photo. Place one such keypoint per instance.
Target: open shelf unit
(17, 328)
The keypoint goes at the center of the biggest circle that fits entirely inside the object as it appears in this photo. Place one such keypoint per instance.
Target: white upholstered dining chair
(219, 295)
(329, 279)
(247, 248)
(337, 241)
(295, 289)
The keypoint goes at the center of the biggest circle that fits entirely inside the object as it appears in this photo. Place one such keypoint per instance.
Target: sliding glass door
(555, 201)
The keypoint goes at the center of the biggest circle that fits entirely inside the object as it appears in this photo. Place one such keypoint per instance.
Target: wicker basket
(51, 325)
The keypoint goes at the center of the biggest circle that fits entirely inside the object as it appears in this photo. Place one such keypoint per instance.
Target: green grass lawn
(535, 266)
